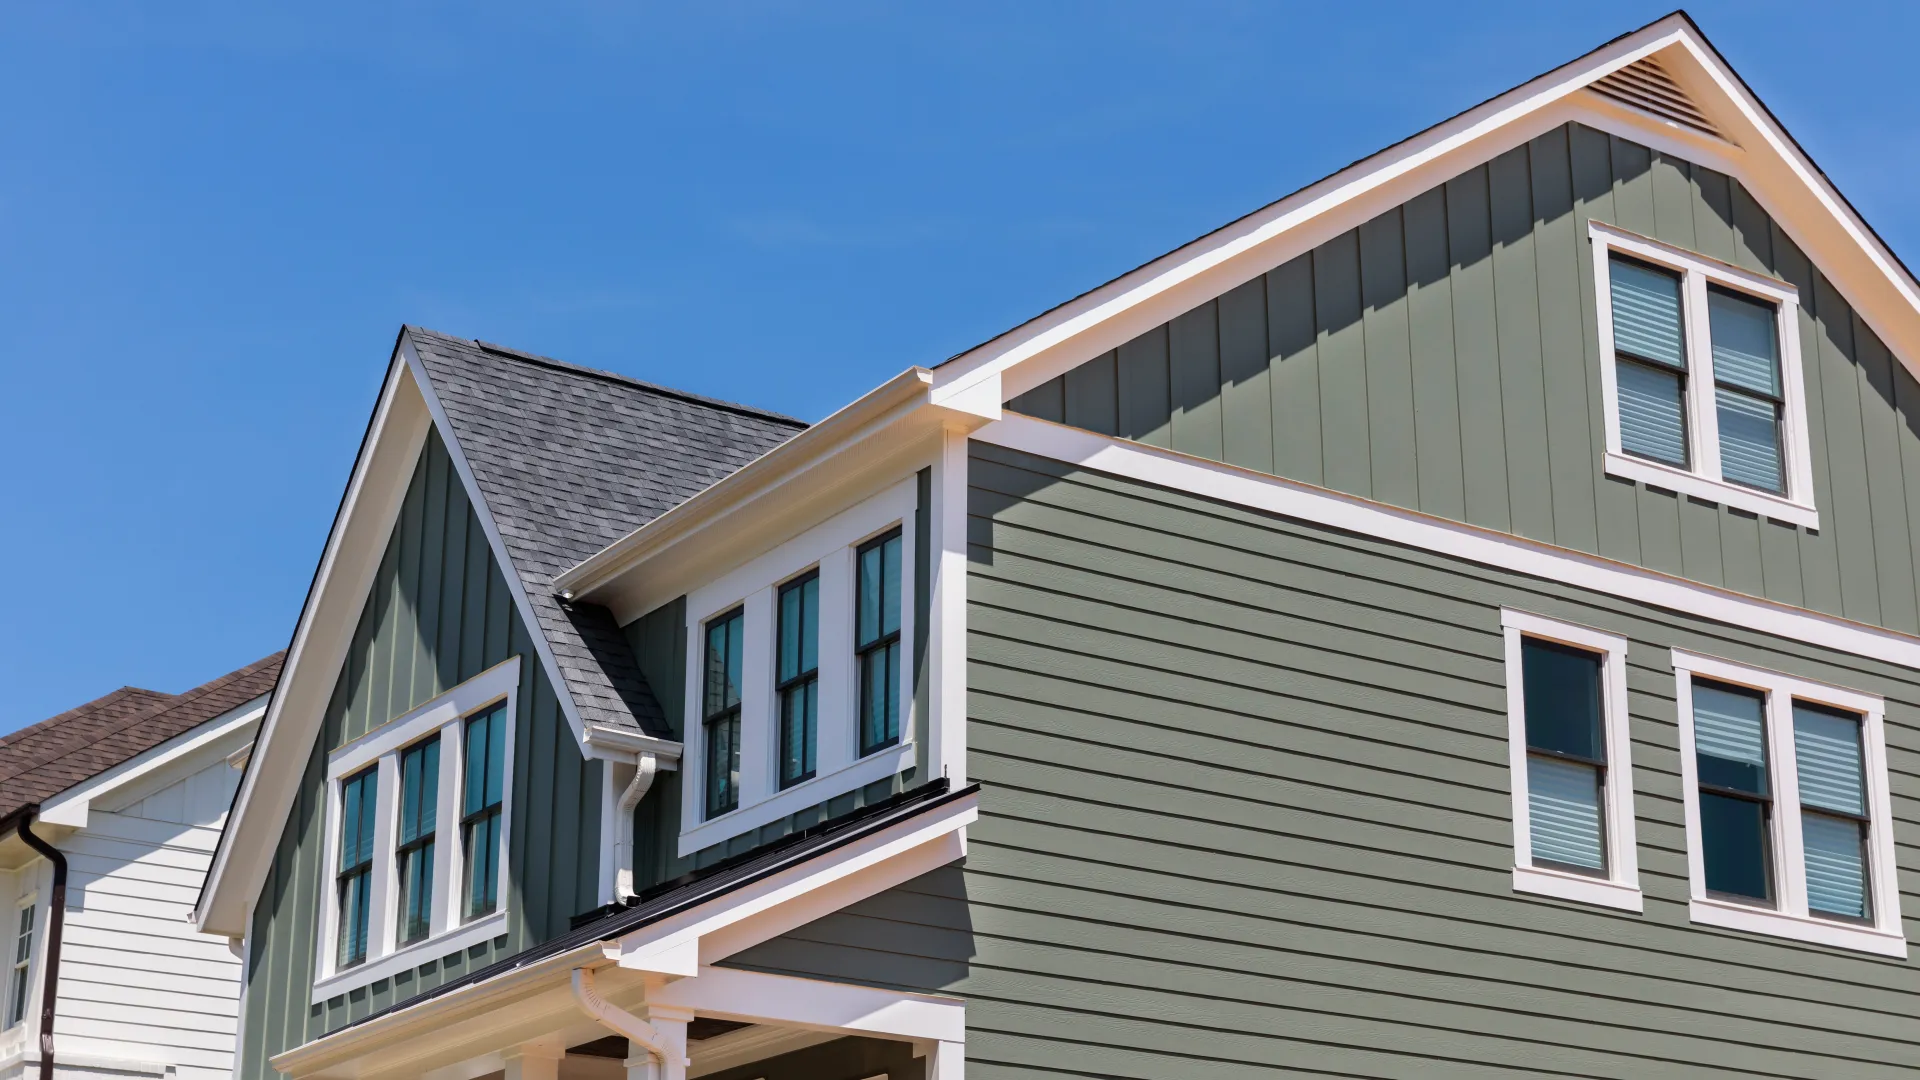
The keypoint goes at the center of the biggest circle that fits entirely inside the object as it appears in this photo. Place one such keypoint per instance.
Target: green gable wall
(438, 613)
(1444, 356)
(1245, 813)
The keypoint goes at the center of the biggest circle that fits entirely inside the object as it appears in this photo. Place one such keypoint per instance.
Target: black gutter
(56, 926)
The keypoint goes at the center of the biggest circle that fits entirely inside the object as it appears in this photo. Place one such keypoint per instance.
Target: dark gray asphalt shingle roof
(570, 460)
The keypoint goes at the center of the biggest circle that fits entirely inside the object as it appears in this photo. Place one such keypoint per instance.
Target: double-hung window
(1701, 379)
(405, 891)
(798, 689)
(1572, 775)
(481, 812)
(20, 986)
(353, 882)
(798, 680)
(419, 809)
(877, 640)
(1787, 811)
(720, 712)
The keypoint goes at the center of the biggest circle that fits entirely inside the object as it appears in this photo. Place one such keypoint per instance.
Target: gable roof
(569, 460)
(41, 761)
(1663, 85)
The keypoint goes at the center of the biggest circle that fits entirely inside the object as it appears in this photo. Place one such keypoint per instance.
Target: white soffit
(1695, 107)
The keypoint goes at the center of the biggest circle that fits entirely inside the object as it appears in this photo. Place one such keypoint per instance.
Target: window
(1702, 387)
(1569, 758)
(798, 680)
(404, 894)
(419, 806)
(796, 684)
(877, 641)
(486, 742)
(1787, 811)
(720, 712)
(353, 882)
(21, 988)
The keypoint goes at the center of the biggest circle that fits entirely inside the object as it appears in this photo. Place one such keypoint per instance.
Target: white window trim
(34, 932)
(830, 547)
(1791, 919)
(446, 714)
(1703, 430)
(1621, 887)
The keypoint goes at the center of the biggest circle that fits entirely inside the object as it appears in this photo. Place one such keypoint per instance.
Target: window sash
(359, 801)
(877, 616)
(483, 796)
(721, 709)
(22, 987)
(413, 857)
(797, 671)
(1565, 704)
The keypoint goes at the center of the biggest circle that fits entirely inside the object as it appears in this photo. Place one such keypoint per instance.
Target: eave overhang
(777, 495)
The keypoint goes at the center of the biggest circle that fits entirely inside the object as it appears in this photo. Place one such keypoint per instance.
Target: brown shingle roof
(41, 761)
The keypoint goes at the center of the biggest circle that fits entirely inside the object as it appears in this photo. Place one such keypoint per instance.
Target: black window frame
(886, 644)
(711, 718)
(424, 840)
(794, 687)
(492, 814)
(349, 876)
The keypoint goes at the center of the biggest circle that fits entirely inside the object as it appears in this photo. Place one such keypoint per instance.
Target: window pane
(416, 893)
(1826, 746)
(1744, 351)
(798, 709)
(1729, 737)
(1735, 846)
(1563, 806)
(867, 587)
(890, 585)
(419, 789)
(1836, 865)
(799, 619)
(1749, 440)
(879, 698)
(483, 859)
(723, 663)
(1653, 420)
(1646, 312)
(496, 753)
(1562, 699)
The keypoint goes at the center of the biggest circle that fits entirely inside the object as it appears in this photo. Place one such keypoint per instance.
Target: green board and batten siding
(1246, 812)
(1444, 356)
(438, 614)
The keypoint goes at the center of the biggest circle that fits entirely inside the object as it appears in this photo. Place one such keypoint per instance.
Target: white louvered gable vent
(1646, 86)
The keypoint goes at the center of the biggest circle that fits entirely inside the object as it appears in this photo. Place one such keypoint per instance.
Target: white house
(118, 805)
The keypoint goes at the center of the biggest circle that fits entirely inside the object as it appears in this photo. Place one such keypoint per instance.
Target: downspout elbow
(637, 1031)
(646, 765)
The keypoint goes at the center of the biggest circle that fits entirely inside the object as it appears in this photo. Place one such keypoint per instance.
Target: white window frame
(447, 715)
(1621, 887)
(754, 587)
(1703, 480)
(1790, 918)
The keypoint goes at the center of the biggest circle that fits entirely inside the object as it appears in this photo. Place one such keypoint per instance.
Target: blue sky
(214, 218)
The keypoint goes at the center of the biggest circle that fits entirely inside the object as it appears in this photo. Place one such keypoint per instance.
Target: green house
(1459, 620)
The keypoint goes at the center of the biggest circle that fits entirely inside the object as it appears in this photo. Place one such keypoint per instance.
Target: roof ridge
(524, 356)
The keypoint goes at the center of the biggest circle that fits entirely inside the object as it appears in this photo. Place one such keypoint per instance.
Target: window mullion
(1789, 848)
(1702, 416)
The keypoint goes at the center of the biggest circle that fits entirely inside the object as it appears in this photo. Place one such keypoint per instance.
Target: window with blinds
(1701, 390)
(1788, 817)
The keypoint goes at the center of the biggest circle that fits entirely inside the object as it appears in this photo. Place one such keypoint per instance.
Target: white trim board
(71, 807)
(1289, 498)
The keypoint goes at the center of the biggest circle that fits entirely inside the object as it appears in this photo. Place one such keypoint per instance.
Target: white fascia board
(1487, 547)
(761, 998)
(71, 806)
(1759, 154)
(348, 563)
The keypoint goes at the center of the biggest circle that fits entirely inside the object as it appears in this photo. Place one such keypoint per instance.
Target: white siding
(136, 982)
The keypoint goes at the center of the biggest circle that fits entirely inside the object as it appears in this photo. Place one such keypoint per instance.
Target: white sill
(1715, 491)
(1578, 887)
(875, 766)
(1732, 916)
(375, 968)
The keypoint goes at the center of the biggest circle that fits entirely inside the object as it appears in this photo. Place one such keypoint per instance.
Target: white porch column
(671, 1022)
(947, 1061)
(534, 1061)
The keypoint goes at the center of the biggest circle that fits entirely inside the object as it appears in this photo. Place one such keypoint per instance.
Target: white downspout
(668, 1061)
(646, 765)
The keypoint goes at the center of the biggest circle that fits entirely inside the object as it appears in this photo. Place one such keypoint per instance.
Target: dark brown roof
(39, 762)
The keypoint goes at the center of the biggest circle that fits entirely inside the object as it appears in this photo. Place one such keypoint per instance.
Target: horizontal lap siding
(1445, 356)
(136, 982)
(1246, 812)
(437, 614)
